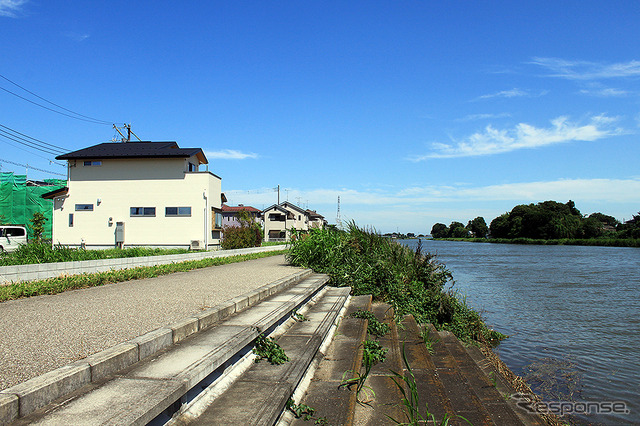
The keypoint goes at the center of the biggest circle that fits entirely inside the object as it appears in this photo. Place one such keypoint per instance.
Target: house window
(218, 220)
(93, 163)
(70, 220)
(177, 211)
(193, 167)
(274, 217)
(142, 211)
(84, 207)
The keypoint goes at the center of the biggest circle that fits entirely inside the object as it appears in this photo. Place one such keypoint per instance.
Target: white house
(279, 219)
(137, 194)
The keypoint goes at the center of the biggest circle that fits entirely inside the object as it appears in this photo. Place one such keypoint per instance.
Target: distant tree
(605, 219)
(478, 226)
(457, 230)
(591, 228)
(37, 226)
(248, 234)
(499, 227)
(439, 230)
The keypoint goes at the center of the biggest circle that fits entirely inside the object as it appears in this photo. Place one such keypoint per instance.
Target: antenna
(338, 219)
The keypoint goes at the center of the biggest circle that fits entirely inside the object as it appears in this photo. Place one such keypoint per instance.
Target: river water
(572, 314)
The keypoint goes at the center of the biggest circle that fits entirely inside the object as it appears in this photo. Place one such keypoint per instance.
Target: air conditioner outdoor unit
(196, 245)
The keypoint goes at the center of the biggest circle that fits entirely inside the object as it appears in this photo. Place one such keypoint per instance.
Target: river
(572, 314)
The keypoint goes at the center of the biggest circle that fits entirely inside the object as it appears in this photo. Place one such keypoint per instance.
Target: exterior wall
(300, 222)
(117, 185)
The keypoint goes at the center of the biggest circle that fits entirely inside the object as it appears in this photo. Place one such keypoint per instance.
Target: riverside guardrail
(41, 271)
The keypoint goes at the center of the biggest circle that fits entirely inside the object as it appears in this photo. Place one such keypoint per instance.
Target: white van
(12, 236)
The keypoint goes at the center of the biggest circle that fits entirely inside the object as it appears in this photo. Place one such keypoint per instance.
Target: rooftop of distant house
(239, 207)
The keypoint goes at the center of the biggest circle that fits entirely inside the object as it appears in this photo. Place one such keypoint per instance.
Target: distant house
(279, 219)
(138, 194)
(316, 220)
(231, 214)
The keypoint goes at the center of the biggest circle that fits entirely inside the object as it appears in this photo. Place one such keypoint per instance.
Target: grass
(44, 252)
(411, 281)
(72, 282)
(374, 327)
(372, 353)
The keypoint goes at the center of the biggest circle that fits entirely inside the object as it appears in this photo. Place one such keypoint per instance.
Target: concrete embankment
(42, 333)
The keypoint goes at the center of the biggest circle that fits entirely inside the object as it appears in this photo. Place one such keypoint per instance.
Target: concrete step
(502, 386)
(259, 395)
(343, 358)
(140, 392)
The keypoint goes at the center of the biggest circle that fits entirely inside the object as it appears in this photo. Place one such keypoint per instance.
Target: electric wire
(29, 143)
(98, 121)
(31, 167)
(33, 142)
(33, 153)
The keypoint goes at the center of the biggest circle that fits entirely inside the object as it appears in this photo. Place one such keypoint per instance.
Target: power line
(51, 161)
(56, 147)
(75, 115)
(31, 167)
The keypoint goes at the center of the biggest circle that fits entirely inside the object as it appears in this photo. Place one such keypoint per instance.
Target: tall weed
(412, 281)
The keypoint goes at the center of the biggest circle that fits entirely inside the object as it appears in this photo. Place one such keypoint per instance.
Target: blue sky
(413, 112)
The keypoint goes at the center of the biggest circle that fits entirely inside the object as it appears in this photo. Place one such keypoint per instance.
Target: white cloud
(474, 117)
(11, 8)
(585, 70)
(230, 154)
(496, 141)
(513, 93)
(605, 92)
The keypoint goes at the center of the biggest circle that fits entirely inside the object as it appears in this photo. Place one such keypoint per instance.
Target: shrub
(247, 234)
(413, 282)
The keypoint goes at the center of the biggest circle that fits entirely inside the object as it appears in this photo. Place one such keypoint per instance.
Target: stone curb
(41, 271)
(25, 398)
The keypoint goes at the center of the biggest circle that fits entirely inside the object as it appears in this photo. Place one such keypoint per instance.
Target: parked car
(12, 236)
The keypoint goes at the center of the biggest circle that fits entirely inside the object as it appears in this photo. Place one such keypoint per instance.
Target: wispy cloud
(11, 8)
(77, 36)
(496, 141)
(586, 70)
(607, 92)
(475, 117)
(230, 154)
(513, 93)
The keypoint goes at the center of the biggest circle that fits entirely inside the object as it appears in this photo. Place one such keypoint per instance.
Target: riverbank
(594, 242)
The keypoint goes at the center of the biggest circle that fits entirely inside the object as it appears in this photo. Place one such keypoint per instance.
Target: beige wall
(122, 184)
(299, 222)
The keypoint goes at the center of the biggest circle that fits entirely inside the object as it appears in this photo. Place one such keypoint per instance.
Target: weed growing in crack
(372, 353)
(267, 348)
(304, 412)
(410, 403)
(375, 327)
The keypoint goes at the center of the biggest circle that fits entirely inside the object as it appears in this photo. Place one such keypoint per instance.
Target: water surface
(571, 313)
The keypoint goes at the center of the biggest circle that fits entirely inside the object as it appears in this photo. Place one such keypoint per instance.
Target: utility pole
(278, 189)
(129, 133)
(338, 219)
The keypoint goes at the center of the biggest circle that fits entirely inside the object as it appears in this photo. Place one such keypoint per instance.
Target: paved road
(42, 333)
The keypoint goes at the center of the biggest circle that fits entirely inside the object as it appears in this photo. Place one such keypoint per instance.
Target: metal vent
(196, 245)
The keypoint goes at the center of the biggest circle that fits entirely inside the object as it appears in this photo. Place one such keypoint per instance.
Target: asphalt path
(42, 333)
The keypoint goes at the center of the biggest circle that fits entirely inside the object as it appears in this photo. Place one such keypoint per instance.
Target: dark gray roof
(134, 150)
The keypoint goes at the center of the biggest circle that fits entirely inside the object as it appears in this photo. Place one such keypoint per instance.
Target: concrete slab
(9, 408)
(152, 342)
(138, 400)
(40, 391)
(196, 358)
(109, 361)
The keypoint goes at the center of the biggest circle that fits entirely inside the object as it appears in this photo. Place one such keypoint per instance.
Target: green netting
(18, 202)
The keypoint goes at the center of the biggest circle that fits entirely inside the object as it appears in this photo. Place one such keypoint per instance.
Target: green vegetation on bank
(73, 282)
(548, 221)
(413, 282)
(603, 242)
(44, 252)
(248, 233)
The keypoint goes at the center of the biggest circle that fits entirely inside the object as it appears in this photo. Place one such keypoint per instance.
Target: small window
(177, 211)
(70, 220)
(218, 220)
(84, 207)
(12, 232)
(142, 211)
(93, 163)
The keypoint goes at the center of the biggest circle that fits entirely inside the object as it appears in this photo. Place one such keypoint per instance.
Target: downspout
(206, 208)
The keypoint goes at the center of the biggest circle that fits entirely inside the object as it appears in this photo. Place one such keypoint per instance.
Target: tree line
(546, 220)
